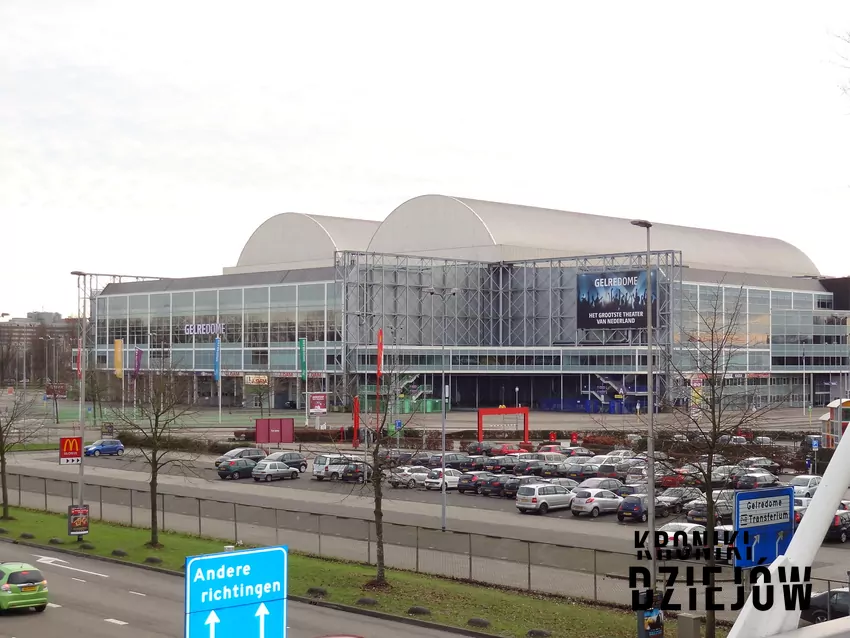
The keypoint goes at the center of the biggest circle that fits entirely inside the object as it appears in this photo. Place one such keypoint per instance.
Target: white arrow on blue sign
(234, 593)
(815, 444)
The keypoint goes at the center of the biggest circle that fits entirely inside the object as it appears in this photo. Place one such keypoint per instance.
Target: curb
(406, 620)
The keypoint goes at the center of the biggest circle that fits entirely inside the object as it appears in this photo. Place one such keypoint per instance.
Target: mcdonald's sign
(70, 450)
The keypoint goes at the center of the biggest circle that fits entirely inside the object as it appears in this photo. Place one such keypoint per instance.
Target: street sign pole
(237, 593)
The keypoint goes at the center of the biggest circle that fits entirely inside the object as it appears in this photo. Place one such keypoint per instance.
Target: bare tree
(708, 403)
(17, 426)
(160, 410)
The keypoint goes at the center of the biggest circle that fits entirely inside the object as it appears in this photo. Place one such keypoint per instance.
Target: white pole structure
(650, 403)
(804, 382)
(444, 395)
(83, 289)
(805, 543)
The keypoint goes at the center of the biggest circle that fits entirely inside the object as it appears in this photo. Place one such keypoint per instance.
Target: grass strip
(33, 447)
(451, 602)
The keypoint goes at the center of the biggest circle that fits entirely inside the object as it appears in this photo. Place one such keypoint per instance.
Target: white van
(331, 466)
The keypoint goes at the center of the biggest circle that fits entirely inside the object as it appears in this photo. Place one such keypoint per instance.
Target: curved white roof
(472, 229)
(296, 240)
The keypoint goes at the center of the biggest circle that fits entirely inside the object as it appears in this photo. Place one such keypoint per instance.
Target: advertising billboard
(318, 403)
(615, 300)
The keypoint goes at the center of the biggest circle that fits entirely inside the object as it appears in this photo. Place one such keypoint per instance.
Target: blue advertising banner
(217, 359)
(615, 300)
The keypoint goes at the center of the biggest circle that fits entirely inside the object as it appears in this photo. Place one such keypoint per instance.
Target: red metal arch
(482, 412)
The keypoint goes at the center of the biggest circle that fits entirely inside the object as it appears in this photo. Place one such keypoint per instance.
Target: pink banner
(138, 362)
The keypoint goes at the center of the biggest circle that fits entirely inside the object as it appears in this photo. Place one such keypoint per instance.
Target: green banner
(302, 358)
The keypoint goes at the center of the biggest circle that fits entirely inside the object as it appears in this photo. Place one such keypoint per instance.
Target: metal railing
(552, 568)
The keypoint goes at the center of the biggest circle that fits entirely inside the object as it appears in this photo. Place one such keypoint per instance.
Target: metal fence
(553, 568)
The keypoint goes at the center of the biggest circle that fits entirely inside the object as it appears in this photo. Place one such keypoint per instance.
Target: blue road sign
(237, 593)
(398, 425)
(815, 444)
(767, 516)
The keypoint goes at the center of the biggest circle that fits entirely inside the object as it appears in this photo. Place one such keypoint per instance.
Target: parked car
(763, 440)
(633, 488)
(331, 466)
(756, 480)
(452, 460)
(805, 485)
(690, 474)
(594, 502)
(676, 497)
(254, 454)
(525, 468)
(511, 486)
(473, 463)
(697, 512)
(292, 459)
(588, 471)
(107, 447)
(552, 470)
(828, 605)
(472, 481)
(501, 464)
(600, 484)
(503, 449)
(478, 448)
(621, 454)
(723, 552)
(435, 479)
(716, 461)
(356, 473)
(409, 476)
(236, 469)
(494, 486)
(563, 482)
(799, 512)
(635, 507)
(677, 548)
(542, 497)
(23, 587)
(529, 456)
(576, 451)
(549, 447)
(761, 463)
(267, 471)
(720, 475)
(839, 528)
(573, 471)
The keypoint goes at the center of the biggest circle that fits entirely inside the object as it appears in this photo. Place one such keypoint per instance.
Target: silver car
(542, 497)
(594, 502)
(271, 470)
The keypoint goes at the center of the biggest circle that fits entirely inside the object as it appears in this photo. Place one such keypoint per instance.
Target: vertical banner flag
(217, 359)
(302, 357)
(380, 369)
(138, 362)
(119, 358)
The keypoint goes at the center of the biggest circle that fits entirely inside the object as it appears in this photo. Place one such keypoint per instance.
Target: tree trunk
(710, 615)
(4, 478)
(380, 573)
(154, 487)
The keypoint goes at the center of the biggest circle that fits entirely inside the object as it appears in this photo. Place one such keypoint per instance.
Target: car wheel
(595, 512)
(460, 491)
(303, 467)
(232, 476)
(320, 478)
(543, 509)
(256, 479)
(644, 518)
(269, 478)
(428, 487)
(293, 475)
(360, 479)
(678, 509)
(808, 495)
(96, 453)
(819, 616)
(335, 476)
(478, 490)
(40, 608)
(620, 518)
(843, 537)
(121, 452)
(411, 484)
(576, 514)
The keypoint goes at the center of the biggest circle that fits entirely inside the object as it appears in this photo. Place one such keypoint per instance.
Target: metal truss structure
(522, 304)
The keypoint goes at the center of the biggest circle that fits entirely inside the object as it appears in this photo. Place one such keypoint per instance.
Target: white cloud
(155, 140)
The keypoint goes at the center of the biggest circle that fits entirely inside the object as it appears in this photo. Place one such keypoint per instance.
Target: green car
(22, 586)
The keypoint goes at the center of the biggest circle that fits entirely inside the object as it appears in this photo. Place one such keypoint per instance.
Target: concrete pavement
(101, 600)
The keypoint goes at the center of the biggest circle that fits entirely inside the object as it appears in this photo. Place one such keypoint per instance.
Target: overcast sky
(154, 140)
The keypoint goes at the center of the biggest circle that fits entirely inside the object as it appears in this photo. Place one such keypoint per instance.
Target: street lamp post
(444, 393)
(650, 402)
(83, 288)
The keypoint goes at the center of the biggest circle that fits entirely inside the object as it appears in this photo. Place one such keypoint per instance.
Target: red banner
(355, 409)
(79, 364)
(380, 351)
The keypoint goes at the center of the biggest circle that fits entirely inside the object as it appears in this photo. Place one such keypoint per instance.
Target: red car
(503, 449)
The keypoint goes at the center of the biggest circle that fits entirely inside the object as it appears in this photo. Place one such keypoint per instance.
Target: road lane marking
(138, 593)
(53, 605)
(114, 622)
(57, 562)
(79, 580)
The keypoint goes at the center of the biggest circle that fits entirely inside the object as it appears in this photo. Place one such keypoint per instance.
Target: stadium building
(539, 307)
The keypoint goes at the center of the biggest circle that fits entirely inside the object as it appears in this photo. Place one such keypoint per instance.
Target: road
(102, 600)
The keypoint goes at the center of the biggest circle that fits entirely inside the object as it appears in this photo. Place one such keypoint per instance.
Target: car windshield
(802, 482)
(98, 442)
(232, 453)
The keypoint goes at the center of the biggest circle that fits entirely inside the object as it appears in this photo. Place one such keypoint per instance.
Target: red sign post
(318, 403)
(70, 450)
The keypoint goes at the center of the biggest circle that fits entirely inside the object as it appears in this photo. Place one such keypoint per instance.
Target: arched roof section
(298, 240)
(475, 229)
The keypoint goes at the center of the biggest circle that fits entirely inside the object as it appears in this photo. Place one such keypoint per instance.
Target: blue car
(112, 447)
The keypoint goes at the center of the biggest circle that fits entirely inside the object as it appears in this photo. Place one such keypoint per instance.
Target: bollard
(689, 626)
(20, 478)
(45, 495)
(417, 549)
(319, 519)
(131, 507)
(469, 538)
(235, 526)
(100, 500)
(595, 591)
(528, 546)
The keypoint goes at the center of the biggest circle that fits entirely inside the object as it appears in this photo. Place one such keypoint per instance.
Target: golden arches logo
(71, 445)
